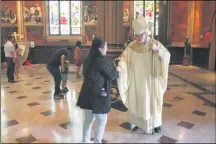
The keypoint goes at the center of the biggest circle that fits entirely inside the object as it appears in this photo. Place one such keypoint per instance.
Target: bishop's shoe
(157, 129)
(135, 128)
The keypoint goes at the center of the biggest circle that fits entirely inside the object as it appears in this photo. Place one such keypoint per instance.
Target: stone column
(190, 19)
(197, 21)
(212, 52)
(100, 29)
(163, 21)
(110, 21)
(114, 22)
(169, 12)
(190, 27)
(20, 18)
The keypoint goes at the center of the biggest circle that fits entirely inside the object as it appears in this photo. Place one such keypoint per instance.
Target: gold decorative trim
(90, 24)
(126, 24)
(34, 25)
(8, 25)
(59, 38)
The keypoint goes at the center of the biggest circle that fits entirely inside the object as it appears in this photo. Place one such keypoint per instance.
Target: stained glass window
(138, 8)
(54, 17)
(157, 18)
(150, 10)
(64, 17)
(75, 17)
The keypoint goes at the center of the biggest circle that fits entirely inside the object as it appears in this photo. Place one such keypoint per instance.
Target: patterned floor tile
(167, 105)
(177, 85)
(11, 123)
(26, 139)
(12, 92)
(28, 84)
(206, 104)
(125, 125)
(21, 97)
(199, 113)
(165, 139)
(46, 92)
(103, 140)
(39, 78)
(47, 113)
(6, 87)
(36, 87)
(186, 124)
(179, 98)
(67, 125)
(33, 104)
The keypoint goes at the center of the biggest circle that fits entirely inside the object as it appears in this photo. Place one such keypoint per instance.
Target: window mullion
(70, 17)
(154, 29)
(59, 12)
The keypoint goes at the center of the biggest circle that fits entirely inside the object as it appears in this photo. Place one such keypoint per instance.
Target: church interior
(30, 114)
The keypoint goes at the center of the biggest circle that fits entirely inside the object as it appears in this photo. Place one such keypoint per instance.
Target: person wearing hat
(143, 78)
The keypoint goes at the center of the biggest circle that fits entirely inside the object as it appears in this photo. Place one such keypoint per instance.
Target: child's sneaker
(66, 89)
(59, 95)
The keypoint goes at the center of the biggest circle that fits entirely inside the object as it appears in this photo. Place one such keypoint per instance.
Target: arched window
(64, 18)
(150, 10)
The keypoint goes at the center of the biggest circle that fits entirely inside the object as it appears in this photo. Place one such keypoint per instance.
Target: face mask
(146, 38)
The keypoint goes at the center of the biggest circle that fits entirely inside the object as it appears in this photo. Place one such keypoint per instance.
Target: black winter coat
(98, 77)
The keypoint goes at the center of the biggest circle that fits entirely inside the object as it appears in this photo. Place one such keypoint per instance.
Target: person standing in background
(10, 54)
(77, 58)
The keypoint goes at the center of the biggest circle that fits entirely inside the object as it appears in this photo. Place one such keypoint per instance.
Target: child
(64, 75)
(17, 61)
(77, 58)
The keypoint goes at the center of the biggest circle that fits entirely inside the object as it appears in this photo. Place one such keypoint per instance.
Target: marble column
(20, 17)
(110, 21)
(212, 52)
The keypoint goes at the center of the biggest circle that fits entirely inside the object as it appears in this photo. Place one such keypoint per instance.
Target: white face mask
(143, 38)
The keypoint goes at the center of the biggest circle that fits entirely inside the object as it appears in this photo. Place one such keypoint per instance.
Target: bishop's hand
(155, 47)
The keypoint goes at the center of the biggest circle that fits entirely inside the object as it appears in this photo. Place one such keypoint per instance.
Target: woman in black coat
(95, 97)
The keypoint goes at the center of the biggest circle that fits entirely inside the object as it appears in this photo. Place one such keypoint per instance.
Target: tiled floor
(30, 114)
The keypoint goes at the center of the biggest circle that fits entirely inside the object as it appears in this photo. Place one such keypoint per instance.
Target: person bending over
(53, 65)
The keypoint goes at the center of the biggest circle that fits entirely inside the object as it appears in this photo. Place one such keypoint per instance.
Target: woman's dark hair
(97, 43)
(15, 45)
(69, 48)
(9, 37)
(78, 43)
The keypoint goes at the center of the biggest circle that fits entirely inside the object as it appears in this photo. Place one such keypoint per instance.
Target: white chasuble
(143, 82)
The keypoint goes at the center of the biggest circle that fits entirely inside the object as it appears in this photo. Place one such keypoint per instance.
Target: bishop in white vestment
(143, 78)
